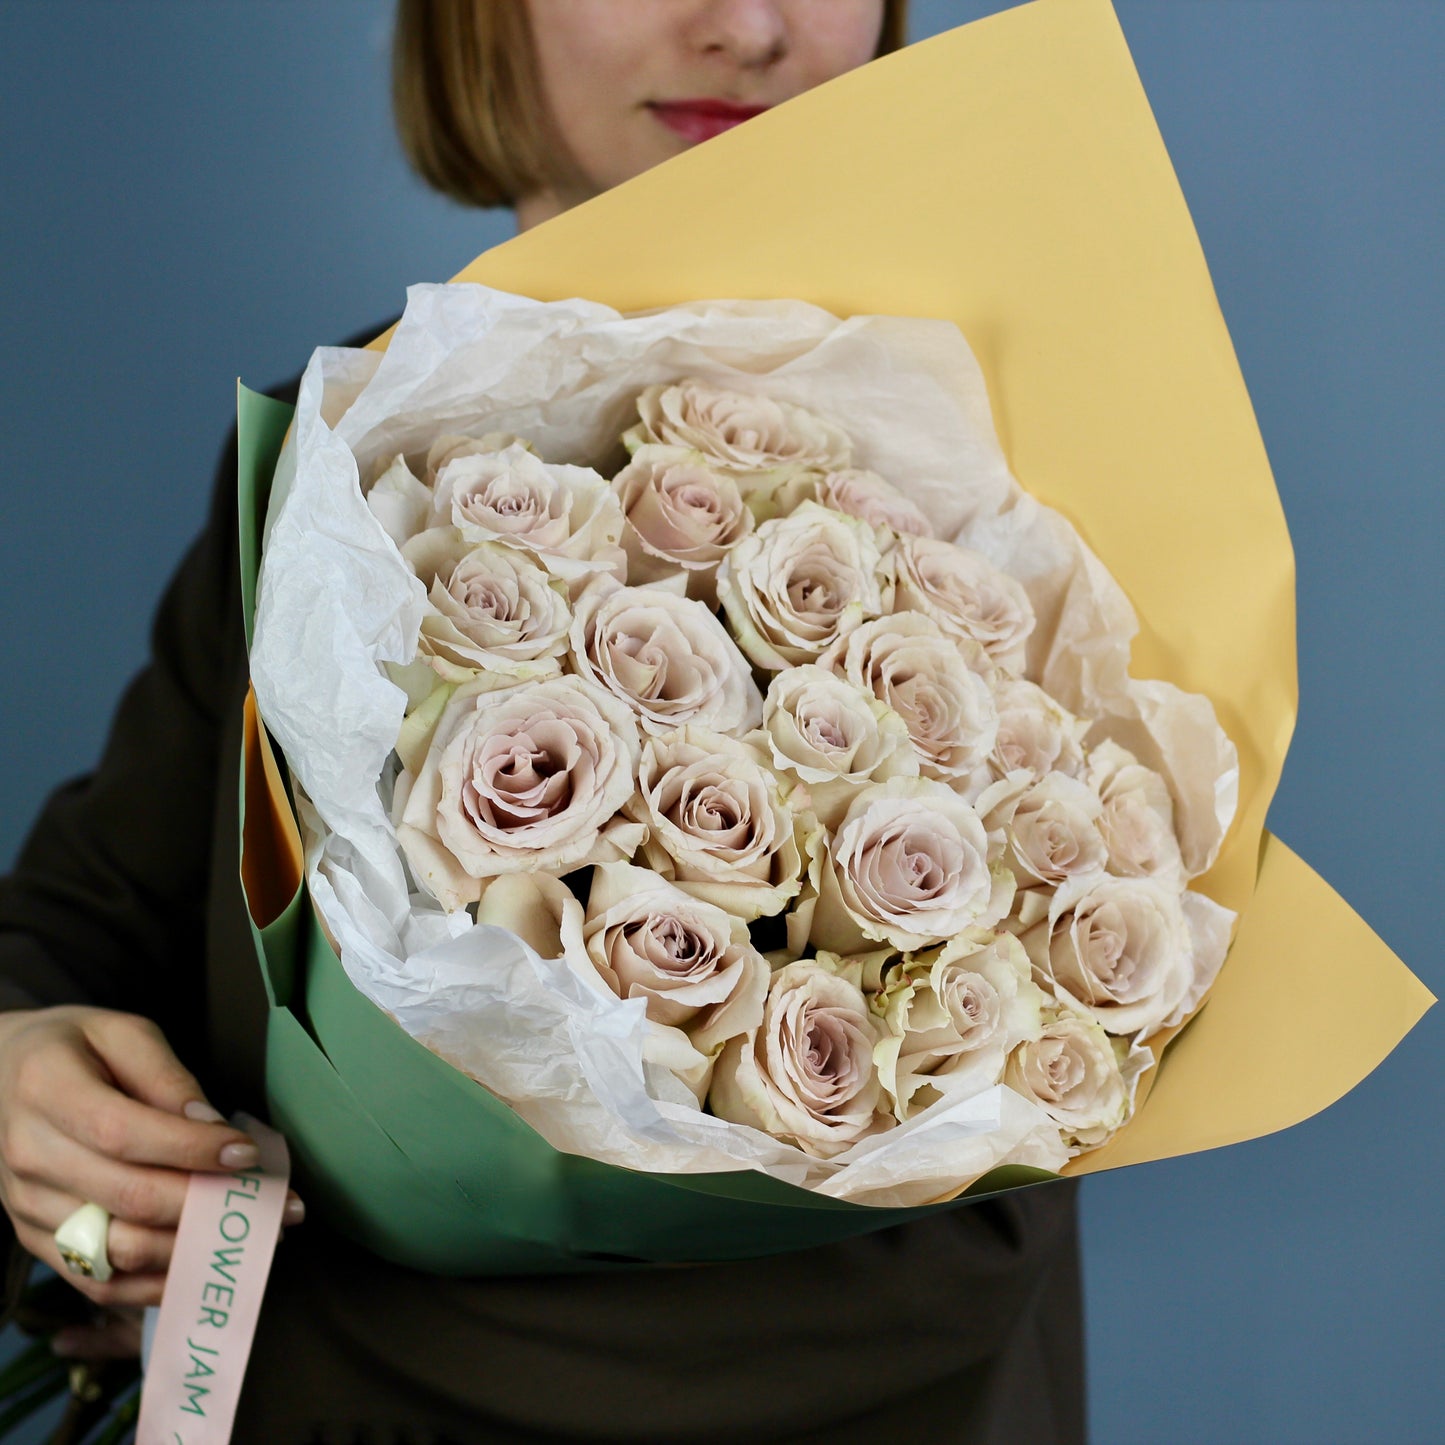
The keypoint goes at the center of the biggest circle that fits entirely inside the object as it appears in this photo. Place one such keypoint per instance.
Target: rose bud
(865, 495)
(568, 517)
(691, 963)
(951, 1016)
(908, 663)
(738, 431)
(799, 583)
(806, 1074)
(682, 515)
(717, 823)
(1116, 949)
(1137, 822)
(517, 777)
(909, 865)
(834, 737)
(492, 607)
(1051, 833)
(667, 657)
(1035, 733)
(966, 595)
(1079, 1076)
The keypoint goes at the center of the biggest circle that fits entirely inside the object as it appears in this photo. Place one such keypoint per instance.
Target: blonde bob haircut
(468, 104)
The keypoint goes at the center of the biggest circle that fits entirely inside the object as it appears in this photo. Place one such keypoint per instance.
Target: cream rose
(538, 908)
(966, 595)
(449, 447)
(908, 663)
(909, 865)
(833, 736)
(682, 514)
(691, 963)
(951, 1016)
(516, 777)
(399, 501)
(667, 657)
(1035, 733)
(1137, 822)
(717, 823)
(491, 607)
(1075, 1072)
(799, 583)
(1116, 949)
(1050, 827)
(806, 1074)
(568, 517)
(865, 495)
(740, 431)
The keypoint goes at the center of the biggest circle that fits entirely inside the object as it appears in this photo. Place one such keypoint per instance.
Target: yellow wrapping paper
(1009, 177)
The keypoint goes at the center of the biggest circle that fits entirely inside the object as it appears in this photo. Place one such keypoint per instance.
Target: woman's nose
(751, 33)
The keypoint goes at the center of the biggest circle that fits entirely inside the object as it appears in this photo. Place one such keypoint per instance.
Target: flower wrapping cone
(1009, 177)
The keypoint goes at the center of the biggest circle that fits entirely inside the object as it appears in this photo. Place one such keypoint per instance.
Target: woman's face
(631, 82)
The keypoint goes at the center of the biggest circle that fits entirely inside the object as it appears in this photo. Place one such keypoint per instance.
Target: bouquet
(1116, 401)
(758, 768)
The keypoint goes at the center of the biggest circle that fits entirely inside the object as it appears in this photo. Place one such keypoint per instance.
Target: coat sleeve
(108, 898)
(106, 904)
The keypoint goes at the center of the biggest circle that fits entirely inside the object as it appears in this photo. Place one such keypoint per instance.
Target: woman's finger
(119, 1289)
(41, 1158)
(82, 1105)
(141, 1061)
(133, 1192)
(131, 1248)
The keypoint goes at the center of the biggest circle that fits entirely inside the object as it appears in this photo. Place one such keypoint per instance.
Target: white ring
(81, 1242)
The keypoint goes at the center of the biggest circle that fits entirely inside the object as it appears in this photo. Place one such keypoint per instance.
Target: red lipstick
(696, 120)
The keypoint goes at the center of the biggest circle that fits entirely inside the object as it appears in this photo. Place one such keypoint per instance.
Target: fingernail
(240, 1156)
(203, 1113)
(294, 1213)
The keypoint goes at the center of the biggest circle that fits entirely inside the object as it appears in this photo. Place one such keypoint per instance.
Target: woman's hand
(95, 1106)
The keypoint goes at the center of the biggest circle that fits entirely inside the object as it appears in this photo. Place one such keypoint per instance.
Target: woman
(968, 1322)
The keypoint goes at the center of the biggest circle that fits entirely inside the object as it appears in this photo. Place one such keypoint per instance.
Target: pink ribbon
(224, 1244)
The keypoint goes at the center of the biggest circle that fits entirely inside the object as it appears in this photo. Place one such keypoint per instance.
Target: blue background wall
(192, 192)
